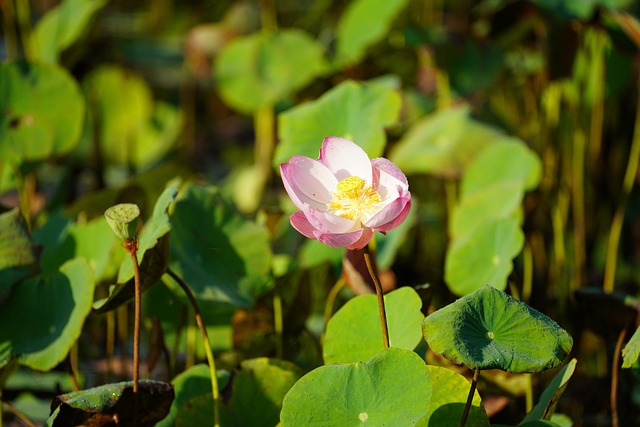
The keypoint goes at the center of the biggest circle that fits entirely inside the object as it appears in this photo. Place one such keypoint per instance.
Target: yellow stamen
(353, 200)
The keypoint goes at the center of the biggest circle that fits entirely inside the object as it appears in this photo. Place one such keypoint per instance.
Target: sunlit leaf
(41, 112)
(362, 24)
(489, 329)
(450, 391)
(546, 406)
(133, 130)
(47, 314)
(356, 111)
(99, 406)
(354, 333)
(219, 254)
(61, 26)
(261, 69)
(443, 143)
(484, 256)
(392, 388)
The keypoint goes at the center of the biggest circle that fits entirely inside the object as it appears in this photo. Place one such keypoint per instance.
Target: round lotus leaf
(261, 69)
(123, 220)
(489, 329)
(41, 112)
(392, 388)
(354, 333)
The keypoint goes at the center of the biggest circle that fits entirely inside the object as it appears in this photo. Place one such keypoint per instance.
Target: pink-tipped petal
(328, 223)
(345, 158)
(390, 168)
(308, 181)
(391, 215)
(301, 223)
(388, 186)
(363, 241)
(345, 240)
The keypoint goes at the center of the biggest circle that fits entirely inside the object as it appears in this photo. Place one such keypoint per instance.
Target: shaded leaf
(219, 254)
(190, 383)
(392, 388)
(48, 314)
(354, 334)
(489, 329)
(631, 350)
(546, 406)
(33, 130)
(101, 406)
(261, 69)
(356, 111)
(18, 253)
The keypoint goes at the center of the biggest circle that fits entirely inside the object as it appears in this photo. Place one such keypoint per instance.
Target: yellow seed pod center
(354, 200)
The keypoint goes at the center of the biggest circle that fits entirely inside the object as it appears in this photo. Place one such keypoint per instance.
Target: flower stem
(132, 247)
(207, 346)
(467, 407)
(378, 286)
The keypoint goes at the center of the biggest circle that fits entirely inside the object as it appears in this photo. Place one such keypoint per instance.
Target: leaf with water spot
(489, 329)
(392, 388)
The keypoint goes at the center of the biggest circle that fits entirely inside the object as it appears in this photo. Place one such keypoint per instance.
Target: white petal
(345, 158)
(308, 181)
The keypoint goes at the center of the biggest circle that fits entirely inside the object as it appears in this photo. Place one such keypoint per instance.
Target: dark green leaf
(219, 254)
(489, 329)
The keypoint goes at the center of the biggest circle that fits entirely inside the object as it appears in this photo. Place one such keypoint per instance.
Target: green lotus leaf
(18, 252)
(48, 314)
(354, 334)
(41, 112)
(101, 405)
(484, 256)
(221, 255)
(450, 391)
(392, 388)
(443, 143)
(356, 111)
(489, 329)
(190, 383)
(364, 23)
(61, 26)
(261, 69)
(257, 390)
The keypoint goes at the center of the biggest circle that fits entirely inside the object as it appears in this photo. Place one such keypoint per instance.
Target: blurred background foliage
(517, 122)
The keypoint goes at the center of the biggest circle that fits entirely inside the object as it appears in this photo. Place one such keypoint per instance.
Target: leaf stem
(378, 286)
(615, 368)
(618, 217)
(15, 411)
(278, 321)
(207, 346)
(467, 407)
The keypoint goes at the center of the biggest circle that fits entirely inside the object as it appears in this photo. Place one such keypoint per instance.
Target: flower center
(353, 200)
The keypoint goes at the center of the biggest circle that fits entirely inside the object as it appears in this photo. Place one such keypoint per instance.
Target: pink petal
(387, 185)
(308, 182)
(345, 158)
(390, 168)
(391, 215)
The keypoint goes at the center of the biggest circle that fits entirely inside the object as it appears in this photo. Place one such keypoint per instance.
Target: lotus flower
(344, 196)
